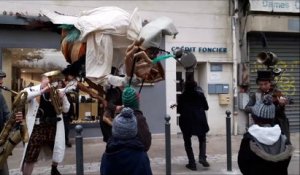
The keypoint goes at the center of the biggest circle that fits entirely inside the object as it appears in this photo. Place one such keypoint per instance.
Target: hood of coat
(277, 152)
(265, 135)
(269, 144)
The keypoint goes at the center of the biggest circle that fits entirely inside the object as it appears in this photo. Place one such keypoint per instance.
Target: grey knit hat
(125, 125)
(264, 109)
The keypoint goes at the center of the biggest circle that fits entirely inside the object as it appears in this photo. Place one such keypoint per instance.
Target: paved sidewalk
(94, 147)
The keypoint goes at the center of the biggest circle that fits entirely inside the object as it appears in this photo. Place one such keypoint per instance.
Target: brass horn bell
(52, 73)
(267, 58)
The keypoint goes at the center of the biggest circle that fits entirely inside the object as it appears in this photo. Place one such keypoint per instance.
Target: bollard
(79, 150)
(228, 140)
(168, 145)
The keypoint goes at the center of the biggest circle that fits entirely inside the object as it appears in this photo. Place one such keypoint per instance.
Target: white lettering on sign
(287, 6)
(201, 49)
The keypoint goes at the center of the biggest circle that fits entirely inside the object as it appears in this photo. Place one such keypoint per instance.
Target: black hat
(69, 70)
(264, 75)
(2, 74)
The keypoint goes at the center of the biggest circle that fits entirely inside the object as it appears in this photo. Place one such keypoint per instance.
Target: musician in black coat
(4, 114)
(192, 105)
(265, 84)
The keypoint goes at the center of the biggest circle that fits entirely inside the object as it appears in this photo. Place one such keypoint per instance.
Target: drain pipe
(234, 54)
(1, 58)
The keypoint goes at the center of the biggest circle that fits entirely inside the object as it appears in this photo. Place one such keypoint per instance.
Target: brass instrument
(54, 93)
(7, 143)
(270, 59)
(267, 58)
(277, 71)
(55, 100)
(52, 73)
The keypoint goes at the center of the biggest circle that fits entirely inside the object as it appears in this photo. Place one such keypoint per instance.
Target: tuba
(9, 138)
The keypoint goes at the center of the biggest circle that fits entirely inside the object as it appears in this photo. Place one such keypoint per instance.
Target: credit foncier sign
(202, 49)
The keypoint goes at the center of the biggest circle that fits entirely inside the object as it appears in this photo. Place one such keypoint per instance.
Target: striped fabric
(73, 51)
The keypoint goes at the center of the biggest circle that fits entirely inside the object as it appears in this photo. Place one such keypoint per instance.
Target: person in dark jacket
(131, 99)
(124, 154)
(264, 149)
(192, 105)
(4, 114)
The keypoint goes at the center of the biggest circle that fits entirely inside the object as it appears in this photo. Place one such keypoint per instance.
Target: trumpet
(7, 143)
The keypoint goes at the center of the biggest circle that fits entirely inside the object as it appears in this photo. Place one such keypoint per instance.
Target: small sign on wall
(286, 6)
(215, 73)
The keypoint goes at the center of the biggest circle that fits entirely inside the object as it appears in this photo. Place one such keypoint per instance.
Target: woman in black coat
(192, 105)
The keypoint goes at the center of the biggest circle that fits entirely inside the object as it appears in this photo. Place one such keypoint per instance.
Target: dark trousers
(106, 131)
(189, 150)
(67, 121)
(4, 169)
(284, 126)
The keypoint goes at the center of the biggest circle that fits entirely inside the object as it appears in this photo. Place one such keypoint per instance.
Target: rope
(141, 86)
(132, 71)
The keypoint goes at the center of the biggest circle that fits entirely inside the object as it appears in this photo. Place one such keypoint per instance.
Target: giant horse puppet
(107, 37)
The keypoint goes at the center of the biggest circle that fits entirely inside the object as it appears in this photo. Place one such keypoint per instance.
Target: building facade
(271, 26)
(205, 29)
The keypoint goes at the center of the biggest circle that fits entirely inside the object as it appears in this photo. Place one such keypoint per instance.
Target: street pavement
(93, 148)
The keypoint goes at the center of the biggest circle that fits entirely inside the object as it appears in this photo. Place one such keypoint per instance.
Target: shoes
(68, 144)
(204, 162)
(54, 171)
(191, 167)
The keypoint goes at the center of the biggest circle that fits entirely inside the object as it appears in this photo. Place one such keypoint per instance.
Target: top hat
(265, 75)
(2, 74)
